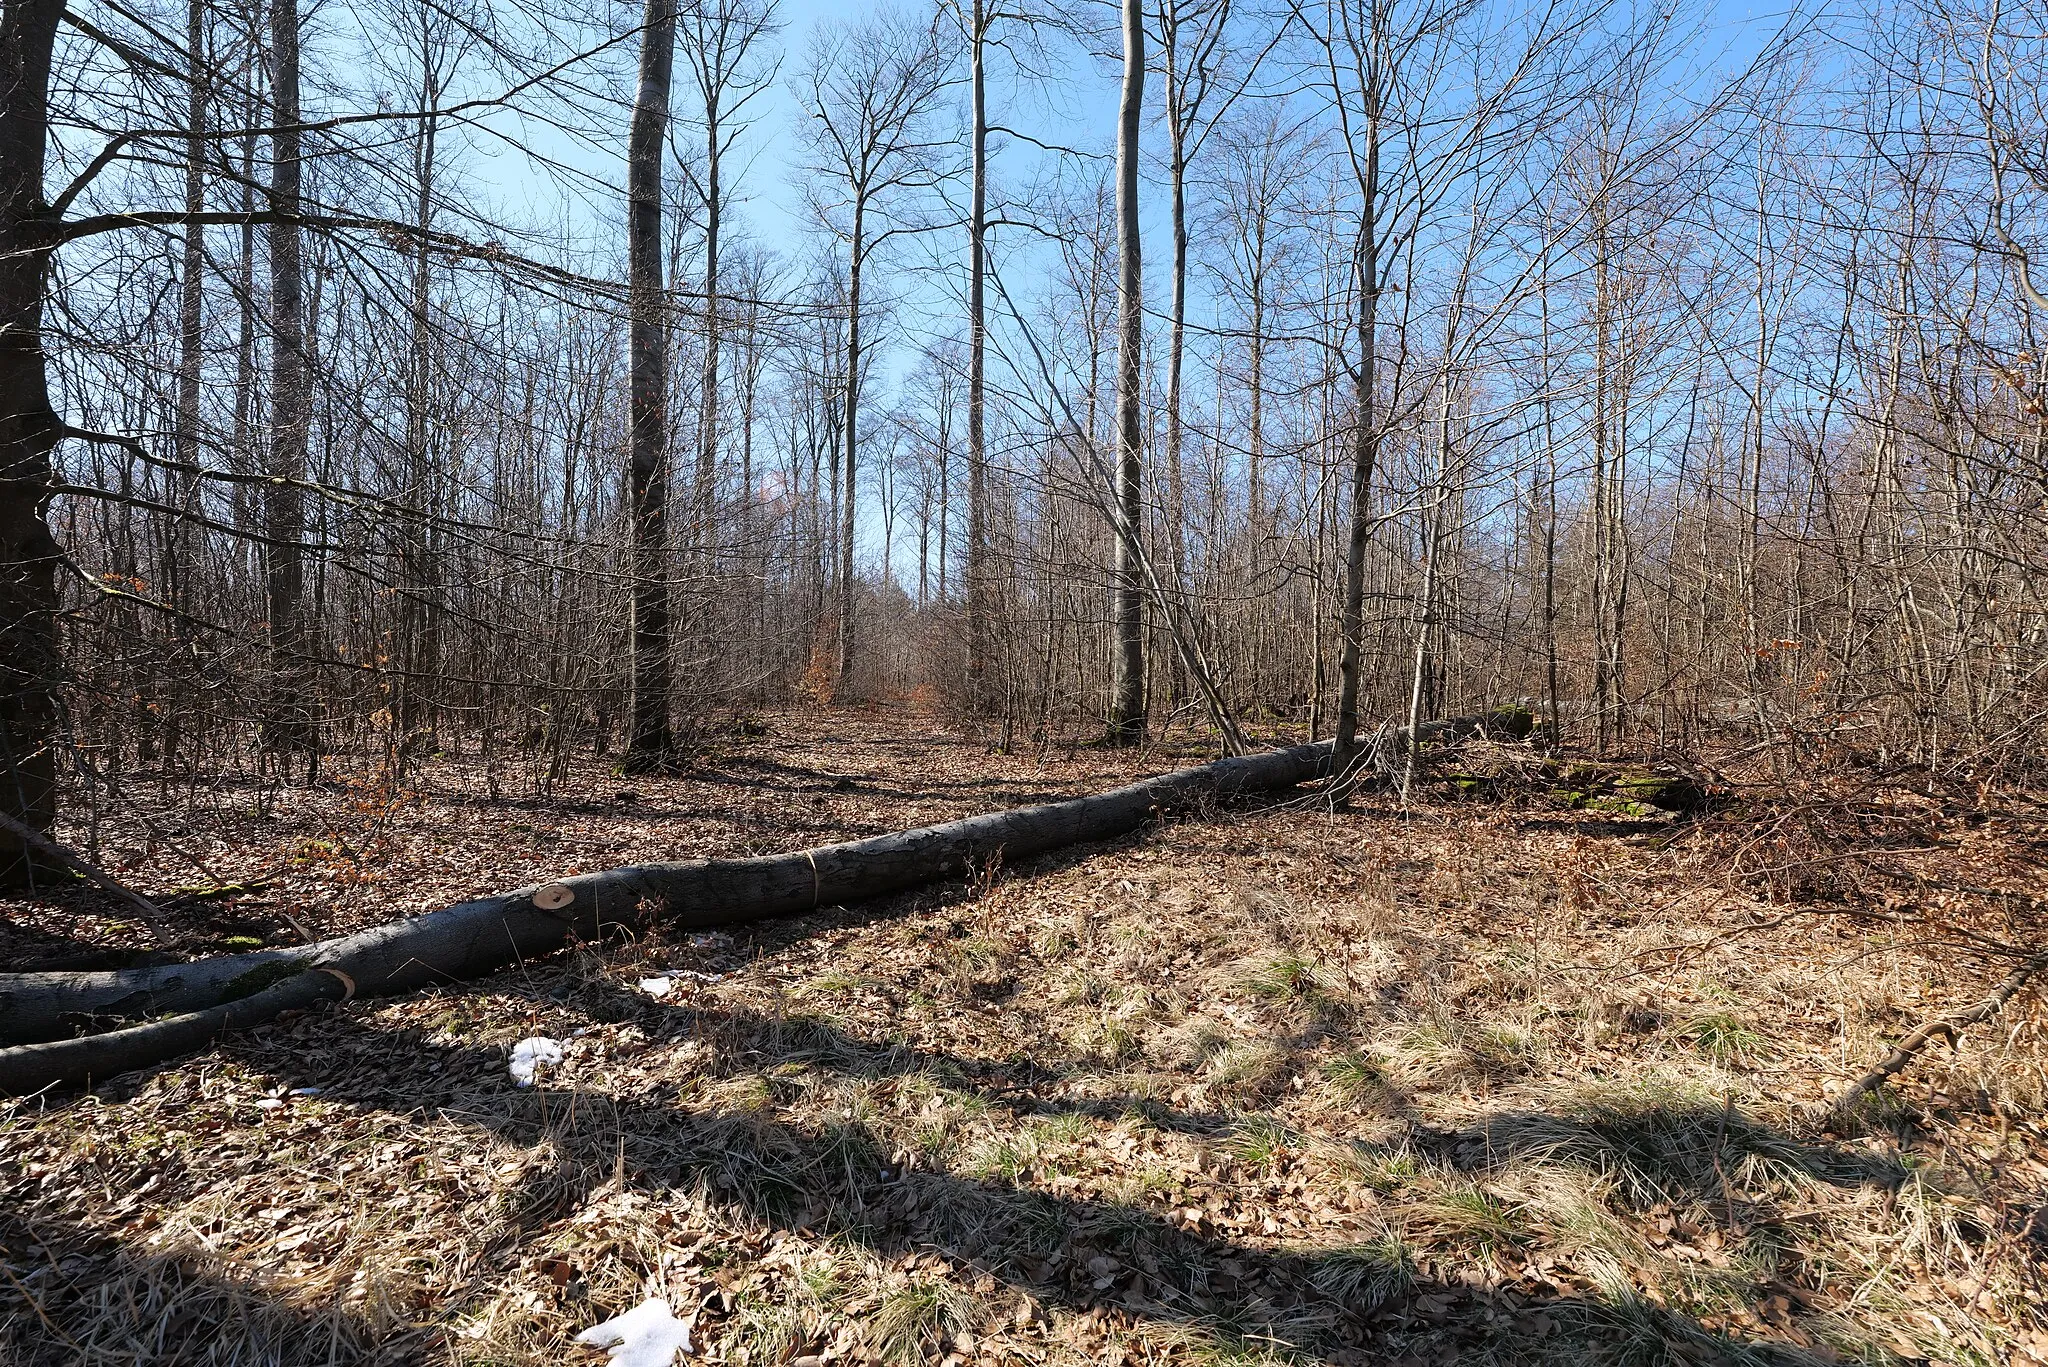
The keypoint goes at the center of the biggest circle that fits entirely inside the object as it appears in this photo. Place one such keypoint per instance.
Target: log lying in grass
(41, 1014)
(1590, 785)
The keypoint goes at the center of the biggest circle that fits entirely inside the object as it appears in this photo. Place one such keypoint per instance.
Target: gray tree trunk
(1364, 449)
(703, 496)
(418, 657)
(1127, 711)
(651, 743)
(290, 713)
(978, 627)
(850, 433)
(191, 301)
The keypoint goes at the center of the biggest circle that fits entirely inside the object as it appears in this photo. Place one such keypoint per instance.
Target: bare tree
(723, 45)
(651, 742)
(870, 96)
(1734, 421)
(290, 723)
(29, 430)
(1127, 706)
(1409, 100)
(191, 294)
(1194, 52)
(980, 16)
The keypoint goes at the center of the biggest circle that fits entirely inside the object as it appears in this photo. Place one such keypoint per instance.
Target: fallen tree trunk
(1512, 722)
(42, 1014)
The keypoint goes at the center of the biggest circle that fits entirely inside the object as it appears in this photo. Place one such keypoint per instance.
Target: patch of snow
(712, 939)
(269, 1103)
(648, 1335)
(657, 987)
(531, 1055)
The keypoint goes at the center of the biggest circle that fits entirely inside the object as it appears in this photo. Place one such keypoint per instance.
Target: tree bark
(1364, 445)
(652, 744)
(1127, 712)
(703, 495)
(978, 626)
(1176, 326)
(179, 570)
(200, 1000)
(414, 713)
(30, 665)
(290, 711)
(850, 434)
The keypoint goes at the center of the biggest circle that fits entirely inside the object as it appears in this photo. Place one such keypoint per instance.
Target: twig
(1947, 1026)
(151, 914)
(141, 813)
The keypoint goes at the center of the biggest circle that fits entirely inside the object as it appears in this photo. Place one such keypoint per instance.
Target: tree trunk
(1176, 326)
(205, 998)
(978, 648)
(703, 533)
(850, 423)
(179, 569)
(1364, 455)
(1549, 477)
(651, 745)
(289, 716)
(1432, 513)
(1127, 712)
(242, 448)
(30, 666)
(418, 658)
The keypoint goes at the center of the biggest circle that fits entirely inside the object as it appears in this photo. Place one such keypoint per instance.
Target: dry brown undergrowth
(1475, 1084)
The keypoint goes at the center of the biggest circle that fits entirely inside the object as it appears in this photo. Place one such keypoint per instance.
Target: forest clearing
(1495, 1079)
(1215, 683)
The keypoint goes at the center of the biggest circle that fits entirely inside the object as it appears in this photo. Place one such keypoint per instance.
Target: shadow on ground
(1362, 1304)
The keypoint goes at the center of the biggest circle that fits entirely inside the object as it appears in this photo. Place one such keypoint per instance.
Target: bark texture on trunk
(1127, 710)
(1364, 448)
(414, 711)
(197, 1001)
(651, 744)
(703, 529)
(290, 719)
(979, 645)
(849, 427)
(1176, 323)
(30, 666)
(178, 567)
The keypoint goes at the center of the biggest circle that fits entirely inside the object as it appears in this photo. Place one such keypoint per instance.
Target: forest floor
(1481, 1081)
